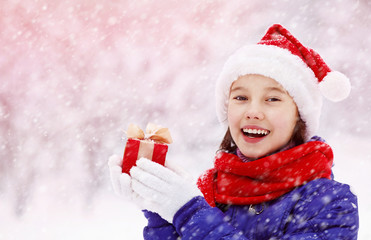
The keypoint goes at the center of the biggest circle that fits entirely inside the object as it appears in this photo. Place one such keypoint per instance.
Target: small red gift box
(136, 149)
(151, 145)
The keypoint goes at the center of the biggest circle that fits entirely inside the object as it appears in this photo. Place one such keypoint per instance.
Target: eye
(273, 99)
(240, 98)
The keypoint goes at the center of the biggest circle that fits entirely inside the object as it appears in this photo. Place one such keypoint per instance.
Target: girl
(272, 177)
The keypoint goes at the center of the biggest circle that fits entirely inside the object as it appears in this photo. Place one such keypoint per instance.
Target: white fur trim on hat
(281, 65)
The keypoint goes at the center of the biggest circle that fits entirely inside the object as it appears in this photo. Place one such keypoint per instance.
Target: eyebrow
(266, 89)
(237, 88)
(276, 89)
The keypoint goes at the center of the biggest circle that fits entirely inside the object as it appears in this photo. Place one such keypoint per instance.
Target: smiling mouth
(255, 133)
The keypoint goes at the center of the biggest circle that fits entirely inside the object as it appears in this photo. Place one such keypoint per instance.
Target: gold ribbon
(153, 132)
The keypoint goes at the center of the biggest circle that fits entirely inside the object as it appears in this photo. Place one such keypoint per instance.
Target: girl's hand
(163, 191)
(121, 182)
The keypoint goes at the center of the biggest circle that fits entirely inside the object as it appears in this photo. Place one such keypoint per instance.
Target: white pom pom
(335, 86)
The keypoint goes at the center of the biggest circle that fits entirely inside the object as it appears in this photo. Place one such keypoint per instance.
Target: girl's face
(261, 115)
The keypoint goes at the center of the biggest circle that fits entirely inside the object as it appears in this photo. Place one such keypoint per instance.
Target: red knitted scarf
(232, 181)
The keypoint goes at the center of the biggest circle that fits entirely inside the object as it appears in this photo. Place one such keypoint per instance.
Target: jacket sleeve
(330, 212)
(197, 220)
(158, 228)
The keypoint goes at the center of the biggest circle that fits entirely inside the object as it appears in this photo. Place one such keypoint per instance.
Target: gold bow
(153, 132)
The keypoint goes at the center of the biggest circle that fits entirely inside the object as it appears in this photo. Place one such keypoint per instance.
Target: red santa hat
(300, 70)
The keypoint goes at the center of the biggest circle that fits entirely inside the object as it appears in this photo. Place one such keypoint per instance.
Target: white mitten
(121, 182)
(163, 190)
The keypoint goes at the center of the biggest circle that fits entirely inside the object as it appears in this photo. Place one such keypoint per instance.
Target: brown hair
(298, 137)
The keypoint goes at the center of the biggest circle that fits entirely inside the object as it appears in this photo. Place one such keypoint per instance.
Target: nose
(254, 112)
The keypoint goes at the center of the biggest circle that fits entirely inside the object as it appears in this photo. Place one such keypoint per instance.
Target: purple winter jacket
(321, 209)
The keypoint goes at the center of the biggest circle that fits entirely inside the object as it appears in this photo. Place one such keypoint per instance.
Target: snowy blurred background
(74, 74)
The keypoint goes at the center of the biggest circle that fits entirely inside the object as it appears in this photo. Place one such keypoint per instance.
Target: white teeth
(255, 131)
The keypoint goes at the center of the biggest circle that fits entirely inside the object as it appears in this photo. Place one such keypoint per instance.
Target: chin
(254, 155)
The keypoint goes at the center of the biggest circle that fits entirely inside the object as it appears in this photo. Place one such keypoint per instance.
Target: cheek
(287, 121)
(233, 116)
